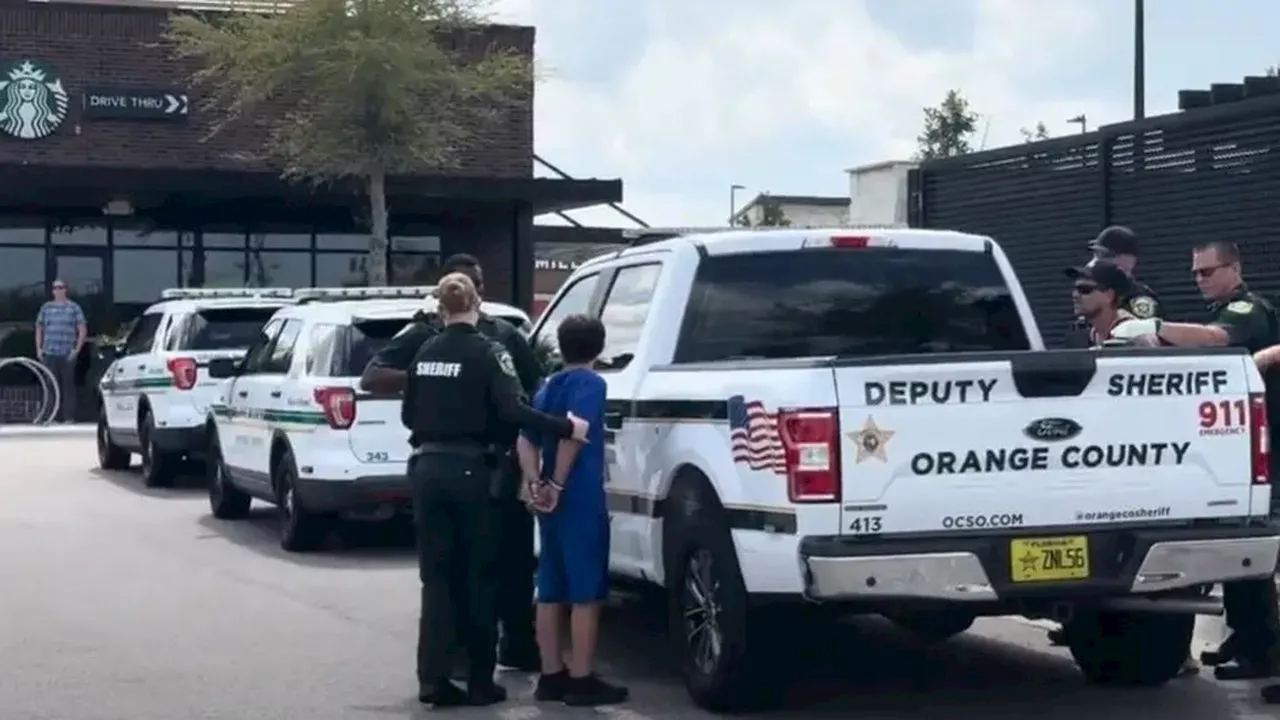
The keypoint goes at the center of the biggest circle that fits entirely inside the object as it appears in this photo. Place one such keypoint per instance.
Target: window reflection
(624, 312)
(279, 269)
(22, 286)
(342, 241)
(79, 234)
(22, 231)
(426, 244)
(221, 239)
(341, 269)
(413, 269)
(143, 236)
(280, 240)
(140, 275)
(224, 268)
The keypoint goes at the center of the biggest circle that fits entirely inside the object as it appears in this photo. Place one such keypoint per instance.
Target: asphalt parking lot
(122, 603)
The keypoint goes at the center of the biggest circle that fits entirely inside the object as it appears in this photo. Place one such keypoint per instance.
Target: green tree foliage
(948, 128)
(1039, 133)
(1273, 71)
(357, 89)
(771, 214)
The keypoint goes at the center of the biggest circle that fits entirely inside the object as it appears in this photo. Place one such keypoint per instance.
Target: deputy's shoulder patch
(1142, 307)
(506, 363)
(1240, 307)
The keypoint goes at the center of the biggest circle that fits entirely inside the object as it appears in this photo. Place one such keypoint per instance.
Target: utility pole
(1139, 61)
(733, 202)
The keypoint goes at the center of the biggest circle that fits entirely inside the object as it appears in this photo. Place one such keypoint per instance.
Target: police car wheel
(159, 469)
(226, 501)
(1137, 649)
(110, 455)
(300, 529)
(709, 610)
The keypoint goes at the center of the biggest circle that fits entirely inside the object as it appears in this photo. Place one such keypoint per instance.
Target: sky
(680, 99)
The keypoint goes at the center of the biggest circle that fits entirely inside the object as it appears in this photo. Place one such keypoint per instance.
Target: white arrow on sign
(175, 104)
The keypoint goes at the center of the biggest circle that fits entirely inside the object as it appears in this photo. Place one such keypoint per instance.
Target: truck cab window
(815, 303)
(625, 309)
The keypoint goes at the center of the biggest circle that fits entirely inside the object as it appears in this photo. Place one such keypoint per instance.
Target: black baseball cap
(1116, 240)
(1106, 275)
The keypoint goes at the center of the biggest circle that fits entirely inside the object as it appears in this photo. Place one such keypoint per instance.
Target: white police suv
(292, 428)
(156, 392)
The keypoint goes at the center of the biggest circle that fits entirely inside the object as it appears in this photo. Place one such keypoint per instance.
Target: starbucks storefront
(110, 180)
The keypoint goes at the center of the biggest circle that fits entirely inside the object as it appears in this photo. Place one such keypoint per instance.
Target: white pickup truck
(868, 420)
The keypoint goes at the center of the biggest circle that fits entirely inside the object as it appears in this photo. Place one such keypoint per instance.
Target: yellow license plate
(1047, 559)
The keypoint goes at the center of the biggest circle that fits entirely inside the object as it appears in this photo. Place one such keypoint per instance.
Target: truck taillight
(850, 241)
(811, 445)
(183, 370)
(338, 404)
(1259, 439)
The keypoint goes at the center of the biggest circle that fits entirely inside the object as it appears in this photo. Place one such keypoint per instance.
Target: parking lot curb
(49, 431)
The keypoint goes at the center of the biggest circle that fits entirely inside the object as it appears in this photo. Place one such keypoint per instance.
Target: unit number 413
(1227, 417)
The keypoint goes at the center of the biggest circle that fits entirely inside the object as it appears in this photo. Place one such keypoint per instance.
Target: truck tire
(110, 455)
(1125, 648)
(709, 611)
(934, 627)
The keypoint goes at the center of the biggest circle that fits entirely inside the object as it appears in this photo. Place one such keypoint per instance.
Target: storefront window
(279, 269)
(140, 275)
(21, 231)
(224, 268)
(341, 269)
(228, 238)
(124, 235)
(342, 241)
(280, 240)
(73, 234)
(22, 286)
(406, 269)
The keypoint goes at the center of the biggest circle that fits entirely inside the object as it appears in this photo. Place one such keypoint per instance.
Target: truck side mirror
(223, 368)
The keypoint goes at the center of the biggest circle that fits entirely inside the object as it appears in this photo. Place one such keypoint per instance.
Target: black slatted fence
(1176, 180)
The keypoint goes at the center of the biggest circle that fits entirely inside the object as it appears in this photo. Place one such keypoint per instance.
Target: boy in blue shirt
(564, 484)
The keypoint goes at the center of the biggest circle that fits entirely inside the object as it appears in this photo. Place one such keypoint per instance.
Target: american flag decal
(753, 433)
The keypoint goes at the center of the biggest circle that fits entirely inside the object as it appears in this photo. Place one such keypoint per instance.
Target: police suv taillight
(184, 371)
(811, 449)
(338, 404)
(1259, 439)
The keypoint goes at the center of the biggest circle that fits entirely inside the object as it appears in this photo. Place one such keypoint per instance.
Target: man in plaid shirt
(60, 334)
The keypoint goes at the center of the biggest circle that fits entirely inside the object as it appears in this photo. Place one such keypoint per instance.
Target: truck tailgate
(1050, 438)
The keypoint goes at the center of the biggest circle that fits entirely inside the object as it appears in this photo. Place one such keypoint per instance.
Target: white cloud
(720, 82)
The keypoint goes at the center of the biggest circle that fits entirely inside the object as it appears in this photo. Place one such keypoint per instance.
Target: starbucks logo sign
(33, 102)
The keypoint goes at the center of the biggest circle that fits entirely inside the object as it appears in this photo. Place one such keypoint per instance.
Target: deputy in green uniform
(462, 397)
(1241, 318)
(1119, 245)
(386, 373)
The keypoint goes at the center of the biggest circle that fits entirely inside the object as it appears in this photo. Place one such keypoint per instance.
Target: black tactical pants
(457, 532)
(515, 580)
(1254, 619)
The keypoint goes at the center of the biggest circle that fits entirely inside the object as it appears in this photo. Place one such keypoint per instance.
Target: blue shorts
(573, 562)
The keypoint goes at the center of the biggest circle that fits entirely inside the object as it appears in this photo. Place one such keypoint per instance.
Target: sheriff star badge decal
(870, 441)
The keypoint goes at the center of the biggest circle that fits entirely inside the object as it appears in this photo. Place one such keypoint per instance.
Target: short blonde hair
(457, 294)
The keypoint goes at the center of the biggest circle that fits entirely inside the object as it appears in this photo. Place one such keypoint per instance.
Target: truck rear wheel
(709, 609)
(1121, 648)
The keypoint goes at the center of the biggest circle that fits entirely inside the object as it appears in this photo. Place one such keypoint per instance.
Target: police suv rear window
(224, 328)
(367, 338)
(848, 302)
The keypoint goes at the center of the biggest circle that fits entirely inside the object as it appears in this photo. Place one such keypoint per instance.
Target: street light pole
(1139, 61)
(1082, 121)
(733, 201)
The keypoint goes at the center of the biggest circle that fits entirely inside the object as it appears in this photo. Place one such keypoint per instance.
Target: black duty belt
(454, 448)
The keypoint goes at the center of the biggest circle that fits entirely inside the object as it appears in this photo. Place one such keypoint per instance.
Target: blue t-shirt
(581, 392)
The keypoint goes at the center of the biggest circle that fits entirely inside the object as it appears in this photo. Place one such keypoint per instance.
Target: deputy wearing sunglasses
(1237, 317)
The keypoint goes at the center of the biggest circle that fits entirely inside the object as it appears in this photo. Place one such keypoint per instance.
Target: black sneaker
(442, 694)
(1271, 694)
(591, 690)
(1244, 670)
(1058, 637)
(490, 693)
(551, 687)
